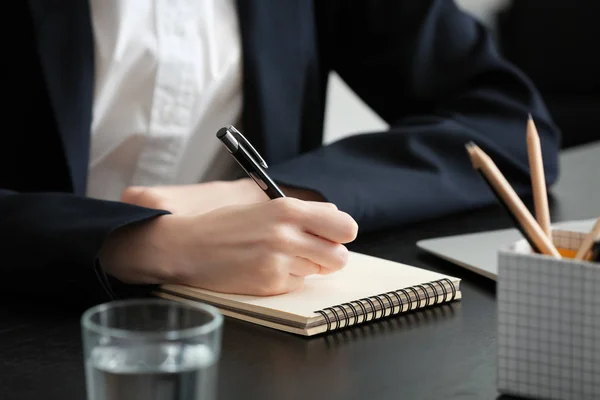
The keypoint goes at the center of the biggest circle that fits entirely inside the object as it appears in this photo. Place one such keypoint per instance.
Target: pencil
(584, 251)
(538, 179)
(509, 198)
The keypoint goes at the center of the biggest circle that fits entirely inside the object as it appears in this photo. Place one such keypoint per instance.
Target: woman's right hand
(260, 249)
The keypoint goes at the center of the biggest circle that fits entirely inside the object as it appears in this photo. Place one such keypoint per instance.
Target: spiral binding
(425, 316)
(347, 314)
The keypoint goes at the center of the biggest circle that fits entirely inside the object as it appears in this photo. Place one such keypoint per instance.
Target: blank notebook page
(363, 276)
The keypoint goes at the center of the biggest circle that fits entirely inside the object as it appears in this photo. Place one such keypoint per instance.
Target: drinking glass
(151, 349)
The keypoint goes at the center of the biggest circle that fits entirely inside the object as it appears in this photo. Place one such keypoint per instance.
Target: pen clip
(238, 135)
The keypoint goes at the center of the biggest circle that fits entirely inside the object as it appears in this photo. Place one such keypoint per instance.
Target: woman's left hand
(204, 197)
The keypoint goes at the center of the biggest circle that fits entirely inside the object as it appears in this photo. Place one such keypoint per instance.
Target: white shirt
(168, 76)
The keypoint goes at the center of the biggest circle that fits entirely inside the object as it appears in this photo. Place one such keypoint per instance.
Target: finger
(301, 266)
(289, 284)
(325, 253)
(337, 226)
(323, 204)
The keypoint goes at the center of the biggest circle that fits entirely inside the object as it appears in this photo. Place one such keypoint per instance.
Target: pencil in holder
(548, 322)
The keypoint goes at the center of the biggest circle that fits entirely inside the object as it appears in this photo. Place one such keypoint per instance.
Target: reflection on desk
(335, 360)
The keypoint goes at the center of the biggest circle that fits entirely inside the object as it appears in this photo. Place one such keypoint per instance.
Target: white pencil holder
(548, 322)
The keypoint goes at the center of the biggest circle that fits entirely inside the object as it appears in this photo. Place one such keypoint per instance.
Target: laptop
(478, 252)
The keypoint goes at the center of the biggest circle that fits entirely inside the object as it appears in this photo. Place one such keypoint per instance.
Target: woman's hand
(260, 249)
(195, 199)
(205, 197)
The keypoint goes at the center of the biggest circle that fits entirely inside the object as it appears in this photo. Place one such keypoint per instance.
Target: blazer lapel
(65, 45)
(279, 50)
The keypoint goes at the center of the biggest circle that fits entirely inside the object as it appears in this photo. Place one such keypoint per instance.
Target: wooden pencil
(586, 246)
(509, 198)
(538, 178)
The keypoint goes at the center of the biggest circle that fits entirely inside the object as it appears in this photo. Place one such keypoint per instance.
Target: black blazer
(425, 67)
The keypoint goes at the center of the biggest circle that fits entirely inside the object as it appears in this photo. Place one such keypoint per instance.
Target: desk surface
(445, 352)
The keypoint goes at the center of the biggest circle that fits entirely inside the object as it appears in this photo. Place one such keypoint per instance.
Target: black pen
(249, 159)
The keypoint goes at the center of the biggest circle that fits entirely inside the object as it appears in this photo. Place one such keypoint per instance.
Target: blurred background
(552, 41)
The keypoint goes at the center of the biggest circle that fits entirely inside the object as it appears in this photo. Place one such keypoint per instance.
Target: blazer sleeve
(50, 242)
(433, 73)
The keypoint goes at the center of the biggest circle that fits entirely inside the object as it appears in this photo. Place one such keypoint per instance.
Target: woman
(113, 166)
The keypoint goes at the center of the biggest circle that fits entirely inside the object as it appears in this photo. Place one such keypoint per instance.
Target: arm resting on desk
(50, 241)
(433, 73)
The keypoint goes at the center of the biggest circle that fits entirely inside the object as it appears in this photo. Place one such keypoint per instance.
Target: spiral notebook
(367, 289)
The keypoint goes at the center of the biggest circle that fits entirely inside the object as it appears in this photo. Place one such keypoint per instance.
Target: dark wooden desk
(446, 352)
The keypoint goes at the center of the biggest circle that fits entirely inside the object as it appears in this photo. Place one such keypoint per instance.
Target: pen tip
(529, 117)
